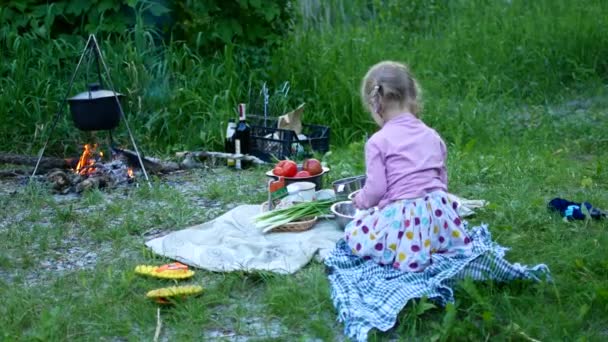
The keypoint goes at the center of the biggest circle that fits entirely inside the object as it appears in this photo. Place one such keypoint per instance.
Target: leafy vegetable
(276, 218)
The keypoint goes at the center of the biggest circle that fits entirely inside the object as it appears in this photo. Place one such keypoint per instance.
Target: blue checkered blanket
(367, 295)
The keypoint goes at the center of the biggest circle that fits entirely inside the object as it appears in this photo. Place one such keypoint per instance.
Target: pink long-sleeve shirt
(404, 160)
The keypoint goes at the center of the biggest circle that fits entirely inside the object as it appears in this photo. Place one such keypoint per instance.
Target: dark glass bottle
(242, 137)
(229, 143)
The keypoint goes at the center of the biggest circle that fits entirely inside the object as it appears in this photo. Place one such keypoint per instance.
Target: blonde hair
(390, 83)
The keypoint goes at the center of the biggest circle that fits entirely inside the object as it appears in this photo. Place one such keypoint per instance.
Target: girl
(411, 216)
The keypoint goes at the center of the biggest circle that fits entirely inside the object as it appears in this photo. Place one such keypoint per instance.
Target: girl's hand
(357, 202)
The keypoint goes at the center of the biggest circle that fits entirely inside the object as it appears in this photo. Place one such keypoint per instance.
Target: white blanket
(232, 243)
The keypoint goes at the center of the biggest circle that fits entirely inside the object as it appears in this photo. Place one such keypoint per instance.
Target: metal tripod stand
(94, 46)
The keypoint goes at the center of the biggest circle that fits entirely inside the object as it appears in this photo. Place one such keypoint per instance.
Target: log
(46, 163)
(60, 180)
(223, 155)
(14, 173)
(88, 184)
(152, 165)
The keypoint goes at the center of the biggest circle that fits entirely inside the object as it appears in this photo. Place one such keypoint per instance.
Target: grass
(105, 300)
(517, 89)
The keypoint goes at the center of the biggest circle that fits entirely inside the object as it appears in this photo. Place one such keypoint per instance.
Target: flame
(130, 172)
(87, 160)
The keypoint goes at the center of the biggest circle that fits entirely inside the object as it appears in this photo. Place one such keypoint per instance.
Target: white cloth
(232, 243)
(466, 206)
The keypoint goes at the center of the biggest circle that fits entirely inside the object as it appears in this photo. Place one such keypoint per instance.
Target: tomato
(286, 168)
(303, 174)
(278, 171)
(290, 169)
(282, 163)
(313, 166)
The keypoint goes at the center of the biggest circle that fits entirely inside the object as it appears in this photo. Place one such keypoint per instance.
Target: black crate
(269, 142)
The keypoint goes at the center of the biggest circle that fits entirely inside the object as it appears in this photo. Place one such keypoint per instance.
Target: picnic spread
(231, 242)
(301, 220)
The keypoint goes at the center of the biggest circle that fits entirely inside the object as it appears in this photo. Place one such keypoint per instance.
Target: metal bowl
(352, 195)
(344, 212)
(346, 186)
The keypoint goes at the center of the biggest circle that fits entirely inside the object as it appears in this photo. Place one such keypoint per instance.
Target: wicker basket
(298, 226)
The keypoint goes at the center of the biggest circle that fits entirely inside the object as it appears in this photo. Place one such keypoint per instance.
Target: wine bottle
(242, 137)
(229, 143)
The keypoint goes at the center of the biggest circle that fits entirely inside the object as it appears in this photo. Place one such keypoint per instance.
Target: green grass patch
(564, 155)
(516, 88)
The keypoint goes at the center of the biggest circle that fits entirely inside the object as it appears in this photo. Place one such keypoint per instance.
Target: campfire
(88, 159)
(93, 169)
(90, 163)
(92, 172)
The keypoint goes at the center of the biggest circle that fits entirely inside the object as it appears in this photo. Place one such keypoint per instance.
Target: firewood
(223, 155)
(59, 179)
(14, 173)
(88, 184)
(46, 163)
(152, 165)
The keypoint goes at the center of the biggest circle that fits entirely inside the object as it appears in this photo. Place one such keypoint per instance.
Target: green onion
(276, 218)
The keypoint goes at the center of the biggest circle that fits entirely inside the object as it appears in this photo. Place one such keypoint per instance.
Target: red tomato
(287, 168)
(290, 169)
(282, 163)
(278, 171)
(303, 174)
(313, 166)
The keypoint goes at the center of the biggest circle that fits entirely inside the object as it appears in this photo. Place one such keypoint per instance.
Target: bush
(213, 24)
(477, 61)
(205, 25)
(76, 17)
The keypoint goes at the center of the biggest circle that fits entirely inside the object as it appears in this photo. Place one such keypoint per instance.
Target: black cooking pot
(95, 109)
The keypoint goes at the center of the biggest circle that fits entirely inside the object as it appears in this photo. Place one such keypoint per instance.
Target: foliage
(205, 25)
(77, 17)
(471, 57)
(213, 23)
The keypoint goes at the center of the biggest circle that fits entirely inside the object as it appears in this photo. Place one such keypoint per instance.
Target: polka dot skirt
(407, 233)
